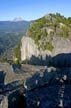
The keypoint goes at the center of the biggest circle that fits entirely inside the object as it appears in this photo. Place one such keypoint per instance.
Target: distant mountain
(11, 33)
(18, 19)
(11, 26)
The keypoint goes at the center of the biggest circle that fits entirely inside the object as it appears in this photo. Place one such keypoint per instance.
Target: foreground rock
(51, 90)
(41, 87)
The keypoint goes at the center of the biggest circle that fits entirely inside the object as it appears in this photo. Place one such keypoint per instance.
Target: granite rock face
(29, 49)
(61, 45)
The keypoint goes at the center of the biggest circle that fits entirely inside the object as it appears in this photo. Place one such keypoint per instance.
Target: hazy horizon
(31, 10)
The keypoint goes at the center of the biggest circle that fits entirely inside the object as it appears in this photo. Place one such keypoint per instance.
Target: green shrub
(60, 34)
(17, 53)
(64, 33)
(48, 46)
(51, 35)
(1, 59)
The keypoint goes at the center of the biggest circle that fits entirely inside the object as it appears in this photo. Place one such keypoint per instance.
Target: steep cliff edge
(29, 49)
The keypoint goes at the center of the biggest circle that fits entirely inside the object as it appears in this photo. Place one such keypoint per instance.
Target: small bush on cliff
(1, 59)
(47, 46)
(64, 33)
(17, 54)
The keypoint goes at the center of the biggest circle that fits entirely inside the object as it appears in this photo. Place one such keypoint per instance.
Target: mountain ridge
(10, 35)
(18, 19)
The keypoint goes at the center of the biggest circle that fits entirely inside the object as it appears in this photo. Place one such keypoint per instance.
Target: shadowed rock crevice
(16, 100)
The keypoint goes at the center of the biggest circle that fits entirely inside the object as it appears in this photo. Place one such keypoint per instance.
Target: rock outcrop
(29, 48)
(46, 36)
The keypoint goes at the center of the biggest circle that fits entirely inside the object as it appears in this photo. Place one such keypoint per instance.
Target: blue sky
(33, 9)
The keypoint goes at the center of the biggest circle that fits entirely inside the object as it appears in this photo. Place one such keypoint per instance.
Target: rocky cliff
(29, 49)
(49, 35)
